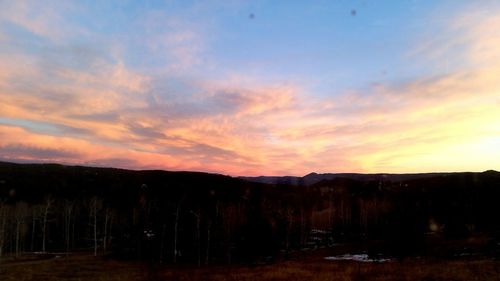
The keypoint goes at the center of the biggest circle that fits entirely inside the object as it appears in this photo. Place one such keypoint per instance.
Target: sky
(252, 87)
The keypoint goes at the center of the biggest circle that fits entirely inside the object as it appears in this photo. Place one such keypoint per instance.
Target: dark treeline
(199, 218)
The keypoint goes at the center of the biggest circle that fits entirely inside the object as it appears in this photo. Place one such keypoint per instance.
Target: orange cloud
(110, 114)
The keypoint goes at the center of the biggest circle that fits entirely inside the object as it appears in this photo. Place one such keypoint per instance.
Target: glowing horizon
(252, 88)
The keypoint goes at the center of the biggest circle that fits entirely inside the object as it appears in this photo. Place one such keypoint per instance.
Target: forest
(202, 219)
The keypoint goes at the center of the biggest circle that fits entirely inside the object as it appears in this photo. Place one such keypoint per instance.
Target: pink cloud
(111, 114)
(42, 19)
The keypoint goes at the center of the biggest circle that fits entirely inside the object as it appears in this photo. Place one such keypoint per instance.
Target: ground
(83, 267)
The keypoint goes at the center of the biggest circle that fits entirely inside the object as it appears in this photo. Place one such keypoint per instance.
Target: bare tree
(95, 206)
(207, 253)
(230, 216)
(68, 213)
(35, 215)
(289, 215)
(197, 216)
(331, 209)
(46, 210)
(303, 224)
(20, 215)
(4, 215)
(162, 241)
(108, 222)
(95, 227)
(176, 226)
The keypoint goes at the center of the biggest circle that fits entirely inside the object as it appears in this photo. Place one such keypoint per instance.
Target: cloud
(254, 101)
(113, 162)
(74, 102)
(45, 20)
(17, 151)
(175, 39)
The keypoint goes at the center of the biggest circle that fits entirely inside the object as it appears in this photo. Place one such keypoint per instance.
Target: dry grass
(311, 268)
(74, 268)
(319, 270)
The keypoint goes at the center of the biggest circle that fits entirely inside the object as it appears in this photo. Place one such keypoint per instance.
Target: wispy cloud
(79, 102)
(45, 20)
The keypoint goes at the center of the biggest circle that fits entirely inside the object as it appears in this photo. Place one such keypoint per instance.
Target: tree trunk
(67, 224)
(197, 216)
(198, 238)
(207, 254)
(162, 242)
(176, 224)
(95, 227)
(73, 243)
(3, 221)
(49, 202)
(18, 226)
(105, 238)
(44, 231)
(176, 227)
(33, 230)
(289, 224)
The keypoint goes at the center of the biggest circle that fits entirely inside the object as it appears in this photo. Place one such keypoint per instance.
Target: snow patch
(356, 257)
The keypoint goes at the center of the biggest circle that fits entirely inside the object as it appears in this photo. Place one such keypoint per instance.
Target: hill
(313, 178)
(201, 218)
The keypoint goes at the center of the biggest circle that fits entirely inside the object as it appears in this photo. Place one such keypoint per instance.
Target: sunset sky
(252, 87)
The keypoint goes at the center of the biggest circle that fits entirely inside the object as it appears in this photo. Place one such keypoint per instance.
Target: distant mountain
(8, 169)
(284, 180)
(314, 178)
(33, 182)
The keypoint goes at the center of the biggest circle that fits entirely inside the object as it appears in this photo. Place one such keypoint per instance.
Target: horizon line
(89, 165)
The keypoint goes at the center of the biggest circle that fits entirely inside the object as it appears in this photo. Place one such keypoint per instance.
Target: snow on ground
(356, 257)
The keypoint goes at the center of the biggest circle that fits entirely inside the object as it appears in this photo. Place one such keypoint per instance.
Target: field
(84, 267)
